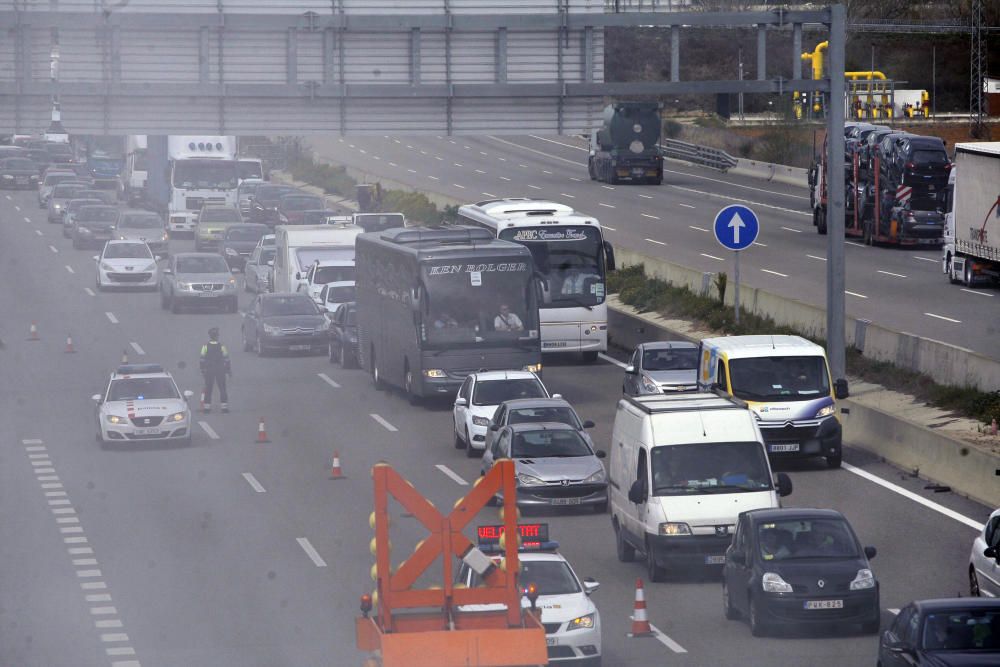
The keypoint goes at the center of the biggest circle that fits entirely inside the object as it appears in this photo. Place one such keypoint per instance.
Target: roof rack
(138, 369)
(686, 401)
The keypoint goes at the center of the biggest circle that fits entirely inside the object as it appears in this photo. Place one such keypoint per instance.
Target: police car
(142, 403)
(572, 622)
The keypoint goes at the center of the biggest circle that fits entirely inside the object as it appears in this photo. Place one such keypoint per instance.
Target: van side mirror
(600, 453)
(738, 557)
(870, 552)
(636, 492)
(630, 369)
(784, 485)
(990, 552)
(609, 256)
(840, 390)
(298, 275)
(588, 424)
(494, 427)
(460, 402)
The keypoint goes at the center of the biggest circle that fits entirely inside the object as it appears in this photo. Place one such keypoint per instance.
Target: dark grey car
(660, 367)
(18, 172)
(139, 225)
(239, 241)
(284, 321)
(69, 213)
(94, 225)
(534, 410)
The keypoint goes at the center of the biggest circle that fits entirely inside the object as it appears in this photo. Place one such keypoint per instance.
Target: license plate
(147, 431)
(206, 294)
(565, 501)
(715, 560)
(554, 343)
(299, 348)
(790, 447)
(551, 641)
(638, 171)
(823, 604)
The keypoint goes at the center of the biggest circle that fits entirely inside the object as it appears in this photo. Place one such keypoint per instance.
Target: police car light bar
(138, 369)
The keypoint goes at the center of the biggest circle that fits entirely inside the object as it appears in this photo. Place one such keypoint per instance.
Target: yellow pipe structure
(816, 59)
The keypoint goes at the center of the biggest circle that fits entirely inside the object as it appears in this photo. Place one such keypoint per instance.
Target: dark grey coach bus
(437, 303)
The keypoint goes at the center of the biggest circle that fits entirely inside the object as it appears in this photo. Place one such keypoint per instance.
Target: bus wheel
(376, 376)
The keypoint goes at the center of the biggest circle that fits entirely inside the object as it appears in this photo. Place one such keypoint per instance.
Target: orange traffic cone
(33, 332)
(201, 403)
(262, 432)
(69, 345)
(640, 622)
(335, 471)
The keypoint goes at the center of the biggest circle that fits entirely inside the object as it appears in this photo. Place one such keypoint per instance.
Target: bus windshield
(478, 304)
(205, 174)
(570, 260)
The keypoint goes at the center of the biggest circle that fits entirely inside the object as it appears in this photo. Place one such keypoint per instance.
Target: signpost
(736, 227)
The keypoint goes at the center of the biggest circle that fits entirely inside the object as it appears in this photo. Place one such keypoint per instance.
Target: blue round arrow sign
(736, 227)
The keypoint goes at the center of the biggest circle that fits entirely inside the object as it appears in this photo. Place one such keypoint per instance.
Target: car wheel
(757, 626)
(821, 222)
(727, 604)
(624, 550)
(974, 589)
(329, 351)
(590, 357)
(470, 451)
(459, 443)
(968, 276)
(654, 572)
(834, 461)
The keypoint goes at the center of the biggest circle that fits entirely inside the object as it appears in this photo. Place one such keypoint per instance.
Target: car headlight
(863, 579)
(183, 285)
(673, 529)
(824, 411)
(271, 330)
(532, 368)
(232, 282)
(596, 477)
(773, 583)
(649, 385)
(165, 237)
(581, 623)
(481, 421)
(434, 373)
(115, 419)
(528, 480)
(107, 267)
(231, 252)
(177, 417)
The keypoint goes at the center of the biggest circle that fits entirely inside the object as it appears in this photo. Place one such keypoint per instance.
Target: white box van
(786, 382)
(300, 246)
(682, 468)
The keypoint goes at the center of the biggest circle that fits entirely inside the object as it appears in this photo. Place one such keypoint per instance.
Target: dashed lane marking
(699, 229)
(138, 349)
(533, 187)
(856, 245)
(775, 273)
(600, 203)
(546, 171)
(451, 474)
(795, 231)
(207, 428)
(926, 259)
(252, 481)
(860, 296)
(38, 232)
(610, 228)
(386, 425)
(685, 205)
(608, 187)
(89, 291)
(646, 196)
(574, 178)
(393, 164)
(311, 552)
(412, 171)
(69, 269)
(718, 259)
(329, 380)
(652, 217)
(27, 219)
(504, 178)
(111, 317)
(487, 194)
(655, 241)
(480, 171)
(456, 185)
(942, 317)
(568, 196)
(611, 360)
(977, 293)
(890, 273)
(822, 259)
(434, 178)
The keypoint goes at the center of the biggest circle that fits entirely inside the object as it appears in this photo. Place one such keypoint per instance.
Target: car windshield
(75, 205)
(683, 359)
(973, 630)
(796, 539)
(18, 163)
(138, 389)
(55, 179)
(219, 215)
(930, 158)
(293, 304)
(271, 194)
(332, 274)
(205, 173)
(779, 378)
(300, 203)
(552, 413)
(306, 257)
(209, 264)
(711, 467)
(127, 251)
(550, 577)
(97, 214)
(570, 261)
(495, 392)
(548, 444)
(66, 191)
(105, 164)
(340, 293)
(140, 222)
(241, 233)
(267, 255)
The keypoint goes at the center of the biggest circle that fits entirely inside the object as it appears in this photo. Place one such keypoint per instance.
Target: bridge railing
(704, 156)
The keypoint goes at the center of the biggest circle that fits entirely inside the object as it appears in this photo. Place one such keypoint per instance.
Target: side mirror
(97, 258)
(157, 258)
(990, 552)
(557, 395)
(784, 485)
(97, 399)
(609, 256)
(840, 390)
(600, 453)
(460, 402)
(188, 393)
(168, 271)
(897, 647)
(870, 552)
(636, 493)
(298, 275)
(738, 557)
(590, 585)
(588, 424)
(493, 427)
(630, 369)
(270, 262)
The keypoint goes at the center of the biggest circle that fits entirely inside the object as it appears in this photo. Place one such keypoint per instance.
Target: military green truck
(626, 148)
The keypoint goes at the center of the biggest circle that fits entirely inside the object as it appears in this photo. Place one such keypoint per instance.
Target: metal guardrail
(713, 158)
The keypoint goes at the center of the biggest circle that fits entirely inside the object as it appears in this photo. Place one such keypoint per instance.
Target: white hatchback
(127, 264)
(984, 561)
(480, 396)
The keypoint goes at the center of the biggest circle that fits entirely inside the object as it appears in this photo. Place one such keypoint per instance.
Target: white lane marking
(38, 232)
(487, 194)
(685, 205)
(79, 551)
(655, 241)
(54, 494)
(483, 153)
(893, 611)
(8, 196)
(611, 360)
(97, 597)
(74, 540)
(93, 585)
(926, 259)
(38, 455)
(363, 151)
(441, 159)
(65, 530)
(252, 481)
(532, 150)
(412, 171)
(762, 245)
(480, 171)
(942, 317)
(574, 178)
(646, 196)
(600, 203)
(700, 229)
(311, 552)
(64, 510)
(35, 448)
(111, 317)
(546, 171)
(456, 185)
(775, 273)
(89, 291)
(930, 504)
(57, 502)
(329, 380)
(610, 228)
(84, 561)
(51, 485)
(890, 273)
(860, 296)
(667, 641)
(789, 229)
(44, 471)
(451, 474)
(504, 178)
(608, 187)
(383, 422)
(138, 349)
(728, 198)
(27, 219)
(718, 259)
(108, 623)
(647, 215)
(114, 637)
(822, 259)
(32, 441)
(123, 650)
(434, 178)
(70, 269)
(972, 291)
(103, 611)
(523, 166)
(209, 430)
(563, 194)
(856, 245)
(88, 574)
(376, 157)
(502, 159)
(393, 164)
(16, 207)
(533, 187)
(458, 165)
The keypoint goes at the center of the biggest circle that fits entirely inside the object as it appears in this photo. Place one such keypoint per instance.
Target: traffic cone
(33, 332)
(335, 471)
(262, 432)
(640, 622)
(69, 345)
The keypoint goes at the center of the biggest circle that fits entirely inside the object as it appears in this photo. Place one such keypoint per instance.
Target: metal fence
(704, 156)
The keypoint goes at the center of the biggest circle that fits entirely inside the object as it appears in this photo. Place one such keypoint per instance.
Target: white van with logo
(786, 382)
(682, 468)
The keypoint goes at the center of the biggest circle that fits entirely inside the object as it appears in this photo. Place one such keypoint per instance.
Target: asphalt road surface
(903, 289)
(235, 553)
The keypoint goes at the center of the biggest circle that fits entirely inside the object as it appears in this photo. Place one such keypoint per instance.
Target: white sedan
(984, 561)
(142, 403)
(127, 264)
(480, 396)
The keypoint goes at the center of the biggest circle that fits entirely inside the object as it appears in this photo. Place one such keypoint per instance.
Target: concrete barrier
(771, 172)
(946, 364)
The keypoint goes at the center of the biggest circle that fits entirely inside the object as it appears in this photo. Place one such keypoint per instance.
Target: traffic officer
(214, 364)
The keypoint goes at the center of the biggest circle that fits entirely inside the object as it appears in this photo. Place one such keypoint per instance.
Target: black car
(264, 205)
(343, 346)
(94, 225)
(238, 241)
(18, 172)
(69, 213)
(953, 632)
(292, 207)
(286, 321)
(60, 153)
(794, 568)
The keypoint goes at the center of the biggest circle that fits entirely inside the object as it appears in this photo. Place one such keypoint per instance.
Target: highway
(902, 289)
(238, 553)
